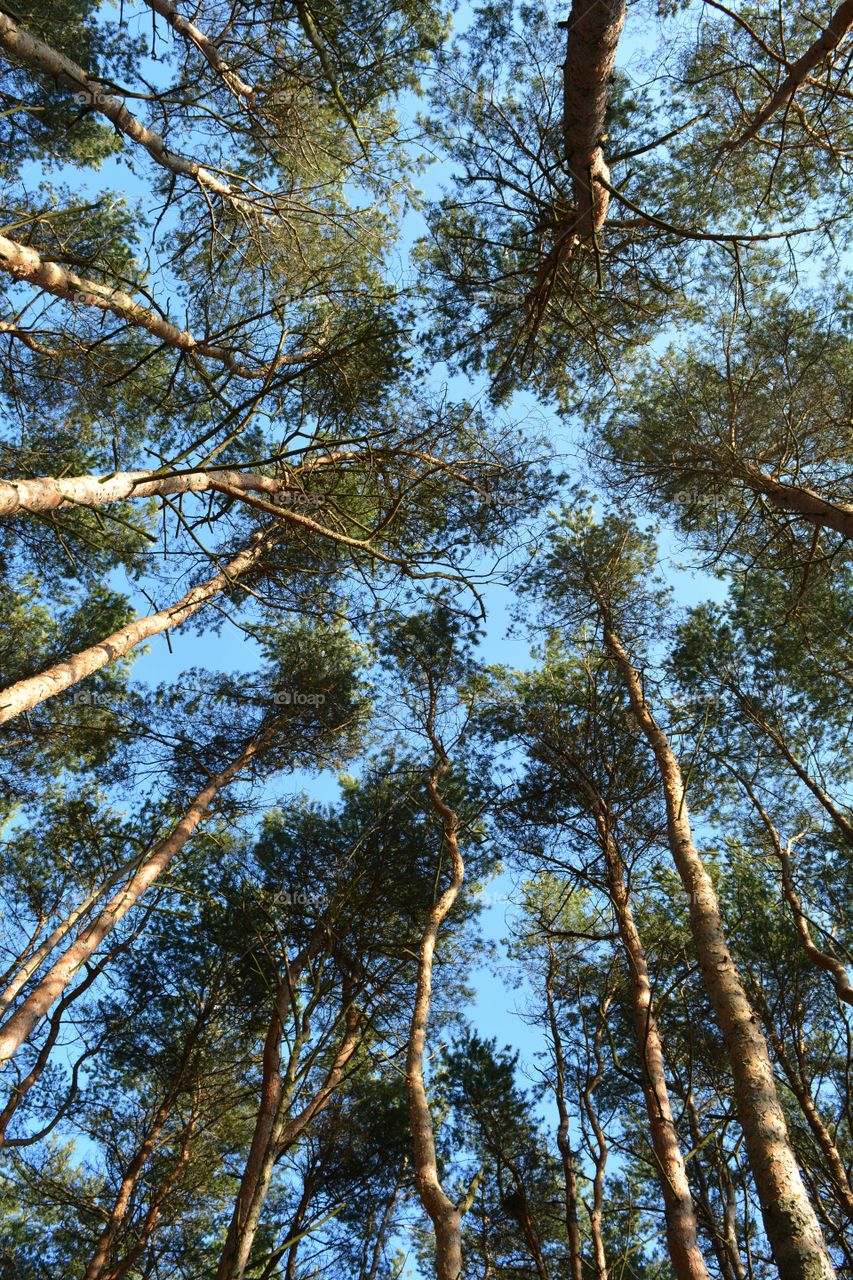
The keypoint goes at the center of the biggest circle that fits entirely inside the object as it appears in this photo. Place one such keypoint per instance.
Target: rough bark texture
(28, 693)
(20, 1025)
(24, 263)
(790, 1221)
(444, 1215)
(681, 1228)
(594, 28)
(829, 39)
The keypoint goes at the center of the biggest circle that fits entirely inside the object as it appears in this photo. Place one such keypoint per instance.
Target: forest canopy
(426, 516)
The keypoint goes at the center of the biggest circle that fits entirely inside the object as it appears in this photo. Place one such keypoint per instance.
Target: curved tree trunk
(444, 1215)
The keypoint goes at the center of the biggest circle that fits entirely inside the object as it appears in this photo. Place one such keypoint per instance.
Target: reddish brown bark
(802, 501)
(830, 38)
(153, 1217)
(594, 28)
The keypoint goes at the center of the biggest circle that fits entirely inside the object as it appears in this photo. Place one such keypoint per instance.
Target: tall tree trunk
(28, 693)
(52, 493)
(23, 1087)
(799, 1086)
(152, 1219)
(44, 60)
(790, 1221)
(681, 1228)
(801, 501)
(274, 1132)
(570, 1180)
(594, 28)
(62, 929)
(443, 1213)
(595, 1211)
(98, 1263)
(20, 1025)
(724, 1239)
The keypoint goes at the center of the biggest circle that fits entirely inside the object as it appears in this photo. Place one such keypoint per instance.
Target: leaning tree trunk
(798, 72)
(28, 693)
(790, 1222)
(20, 1025)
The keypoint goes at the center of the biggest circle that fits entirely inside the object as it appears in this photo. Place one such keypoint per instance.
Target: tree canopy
(346, 928)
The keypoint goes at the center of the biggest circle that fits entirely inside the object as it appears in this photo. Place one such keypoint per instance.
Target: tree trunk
(52, 493)
(29, 967)
(801, 501)
(681, 1229)
(443, 1213)
(26, 694)
(20, 1025)
(563, 1144)
(44, 60)
(24, 263)
(790, 1221)
(594, 28)
(274, 1133)
(798, 72)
